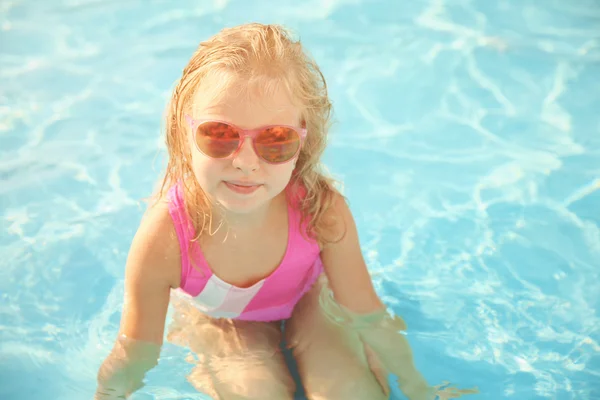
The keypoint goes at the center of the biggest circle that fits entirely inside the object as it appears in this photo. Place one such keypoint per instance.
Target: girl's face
(243, 183)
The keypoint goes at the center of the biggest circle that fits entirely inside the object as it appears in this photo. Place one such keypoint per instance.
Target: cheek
(282, 173)
(205, 169)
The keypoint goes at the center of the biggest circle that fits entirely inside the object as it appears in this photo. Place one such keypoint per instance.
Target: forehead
(247, 106)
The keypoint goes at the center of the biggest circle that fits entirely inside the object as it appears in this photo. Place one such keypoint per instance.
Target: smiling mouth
(243, 187)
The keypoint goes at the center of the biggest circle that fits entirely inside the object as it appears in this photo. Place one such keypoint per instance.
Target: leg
(234, 359)
(332, 361)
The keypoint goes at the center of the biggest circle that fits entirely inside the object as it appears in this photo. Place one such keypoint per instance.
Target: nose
(246, 159)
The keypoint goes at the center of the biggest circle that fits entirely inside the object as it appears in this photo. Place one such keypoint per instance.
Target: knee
(282, 388)
(366, 389)
(349, 380)
(243, 378)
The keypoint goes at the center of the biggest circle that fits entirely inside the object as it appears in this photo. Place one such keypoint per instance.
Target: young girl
(247, 232)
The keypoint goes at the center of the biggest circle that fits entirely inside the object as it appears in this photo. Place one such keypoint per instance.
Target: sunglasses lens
(217, 140)
(277, 144)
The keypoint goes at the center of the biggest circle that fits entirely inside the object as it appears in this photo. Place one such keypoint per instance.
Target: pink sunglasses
(274, 144)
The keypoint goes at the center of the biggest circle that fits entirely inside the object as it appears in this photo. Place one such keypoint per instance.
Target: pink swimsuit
(270, 299)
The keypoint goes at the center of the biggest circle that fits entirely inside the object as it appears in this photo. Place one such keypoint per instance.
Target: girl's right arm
(153, 269)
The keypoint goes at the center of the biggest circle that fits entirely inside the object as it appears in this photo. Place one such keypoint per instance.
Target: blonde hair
(265, 55)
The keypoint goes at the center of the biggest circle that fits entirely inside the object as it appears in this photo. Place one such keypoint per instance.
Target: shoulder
(155, 250)
(337, 220)
(324, 210)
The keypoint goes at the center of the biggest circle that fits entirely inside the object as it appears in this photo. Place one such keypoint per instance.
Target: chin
(239, 204)
(240, 208)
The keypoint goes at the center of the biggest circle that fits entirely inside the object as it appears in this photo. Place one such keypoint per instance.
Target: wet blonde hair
(264, 57)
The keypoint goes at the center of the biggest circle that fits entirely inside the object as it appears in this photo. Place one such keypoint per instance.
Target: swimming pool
(466, 138)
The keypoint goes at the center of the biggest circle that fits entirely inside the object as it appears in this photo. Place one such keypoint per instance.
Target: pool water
(467, 136)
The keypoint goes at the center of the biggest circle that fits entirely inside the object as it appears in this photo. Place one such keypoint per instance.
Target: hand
(448, 392)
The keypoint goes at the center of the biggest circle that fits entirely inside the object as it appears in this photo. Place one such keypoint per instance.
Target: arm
(152, 270)
(355, 301)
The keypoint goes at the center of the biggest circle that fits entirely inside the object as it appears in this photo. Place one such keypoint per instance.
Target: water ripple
(476, 195)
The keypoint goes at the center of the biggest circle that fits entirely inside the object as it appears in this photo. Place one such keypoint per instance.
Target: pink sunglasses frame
(244, 133)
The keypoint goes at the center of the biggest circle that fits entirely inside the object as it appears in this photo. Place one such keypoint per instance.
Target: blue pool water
(467, 137)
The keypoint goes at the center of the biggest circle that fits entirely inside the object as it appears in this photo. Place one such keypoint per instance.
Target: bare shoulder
(337, 219)
(155, 248)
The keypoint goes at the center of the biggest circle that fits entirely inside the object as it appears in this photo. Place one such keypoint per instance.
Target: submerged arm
(382, 334)
(353, 303)
(123, 371)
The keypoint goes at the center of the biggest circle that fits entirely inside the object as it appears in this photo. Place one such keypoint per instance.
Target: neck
(229, 225)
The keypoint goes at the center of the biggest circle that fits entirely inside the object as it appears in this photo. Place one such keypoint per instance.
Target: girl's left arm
(355, 301)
